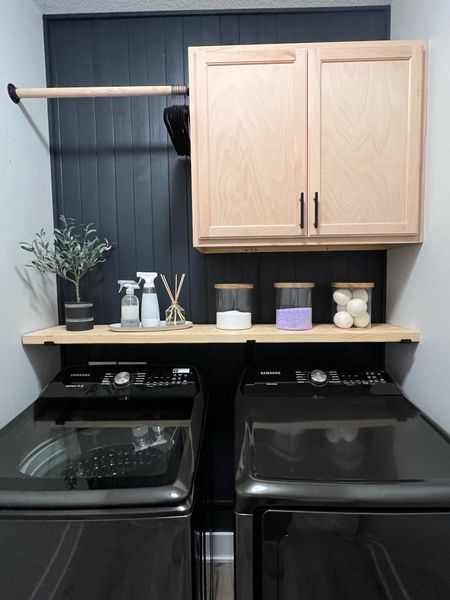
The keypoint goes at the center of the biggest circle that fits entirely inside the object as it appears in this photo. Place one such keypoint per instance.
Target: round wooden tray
(161, 328)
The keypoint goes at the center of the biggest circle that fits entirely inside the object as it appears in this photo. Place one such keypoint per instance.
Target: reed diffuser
(175, 314)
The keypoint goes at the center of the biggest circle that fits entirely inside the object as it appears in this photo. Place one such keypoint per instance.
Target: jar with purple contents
(293, 305)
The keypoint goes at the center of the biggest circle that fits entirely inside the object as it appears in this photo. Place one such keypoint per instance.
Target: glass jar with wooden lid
(293, 303)
(233, 305)
(352, 304)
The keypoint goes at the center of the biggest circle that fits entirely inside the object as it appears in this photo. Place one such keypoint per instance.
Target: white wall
(27, 300)
(419, 278)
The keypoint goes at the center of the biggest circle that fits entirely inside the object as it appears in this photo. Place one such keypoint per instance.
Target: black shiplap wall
(113, 165)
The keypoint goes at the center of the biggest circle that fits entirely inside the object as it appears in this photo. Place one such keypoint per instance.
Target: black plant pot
(79, 316)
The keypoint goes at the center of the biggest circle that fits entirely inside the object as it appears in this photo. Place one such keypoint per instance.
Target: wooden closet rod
(16, 93)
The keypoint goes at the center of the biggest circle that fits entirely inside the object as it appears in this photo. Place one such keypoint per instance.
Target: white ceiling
(49, 7)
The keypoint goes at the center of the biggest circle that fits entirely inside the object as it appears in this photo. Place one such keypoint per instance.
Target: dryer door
(353, 556)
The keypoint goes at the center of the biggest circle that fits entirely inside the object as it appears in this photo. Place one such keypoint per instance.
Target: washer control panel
(124, 380)
(148, 378)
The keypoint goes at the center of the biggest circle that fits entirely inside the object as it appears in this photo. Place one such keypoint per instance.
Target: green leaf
(74, 251)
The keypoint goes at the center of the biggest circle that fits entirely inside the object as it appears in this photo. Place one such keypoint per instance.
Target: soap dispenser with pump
(150, 305)
(129, 314)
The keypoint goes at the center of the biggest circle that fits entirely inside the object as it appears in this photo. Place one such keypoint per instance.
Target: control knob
(123, 378)
(318, 377)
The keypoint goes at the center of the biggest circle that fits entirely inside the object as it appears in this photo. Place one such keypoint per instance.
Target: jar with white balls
(352, 304)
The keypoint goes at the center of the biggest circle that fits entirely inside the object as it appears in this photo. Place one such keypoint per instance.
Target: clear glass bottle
(293, 305)
(175, 315)
(352, 304)
(129, 311)
(234, 305)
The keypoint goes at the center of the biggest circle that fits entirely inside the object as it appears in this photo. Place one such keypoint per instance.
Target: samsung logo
(270, 372)
(80, 374)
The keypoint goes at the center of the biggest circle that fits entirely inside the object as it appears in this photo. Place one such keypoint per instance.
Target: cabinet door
(365, 139)
(248, 128)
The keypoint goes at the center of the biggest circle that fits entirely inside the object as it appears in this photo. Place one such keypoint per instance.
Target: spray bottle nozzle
(127, 284)
(149, 278)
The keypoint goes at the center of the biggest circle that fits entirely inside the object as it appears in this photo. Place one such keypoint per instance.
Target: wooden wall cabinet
(307, 146)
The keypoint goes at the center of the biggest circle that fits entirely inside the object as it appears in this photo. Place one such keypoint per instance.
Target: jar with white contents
(352, 304)
(234, 305)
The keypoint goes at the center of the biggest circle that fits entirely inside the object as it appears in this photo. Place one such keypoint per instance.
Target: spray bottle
(150, 306)
(129, 316)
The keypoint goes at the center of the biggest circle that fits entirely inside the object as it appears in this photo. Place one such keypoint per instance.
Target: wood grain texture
(248, 115)
(209, 334)
(255, 245)
(246, 55)
(220, 580)
(100, 91)
(365, 153)
(365, 139)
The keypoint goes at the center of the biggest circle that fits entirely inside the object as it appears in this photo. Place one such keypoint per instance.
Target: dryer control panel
(295, 381)
(319, 377)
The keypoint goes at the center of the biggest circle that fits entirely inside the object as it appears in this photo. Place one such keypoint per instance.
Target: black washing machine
(99, 484)
(342, 490)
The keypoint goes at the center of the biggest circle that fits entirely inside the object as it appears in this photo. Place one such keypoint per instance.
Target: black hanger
(176, 119)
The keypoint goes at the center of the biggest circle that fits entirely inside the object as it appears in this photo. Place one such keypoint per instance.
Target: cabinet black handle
(316, 210)
(302, 210)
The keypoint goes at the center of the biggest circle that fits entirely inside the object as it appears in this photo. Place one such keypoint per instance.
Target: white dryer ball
(343, 319)
(349, 433)
(340, 307)
(362, 321)
(361, 294)
(342, 296)
(357, 307)
(333, 435)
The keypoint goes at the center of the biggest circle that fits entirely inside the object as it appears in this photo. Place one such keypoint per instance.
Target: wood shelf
(209, 334)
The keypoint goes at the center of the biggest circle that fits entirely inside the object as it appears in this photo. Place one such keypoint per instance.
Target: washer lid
(338, 449)
(88, 452)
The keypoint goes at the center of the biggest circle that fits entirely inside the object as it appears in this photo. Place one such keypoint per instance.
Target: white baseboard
(220, 546)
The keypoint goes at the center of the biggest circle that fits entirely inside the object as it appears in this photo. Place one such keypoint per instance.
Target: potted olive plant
(74, 251)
